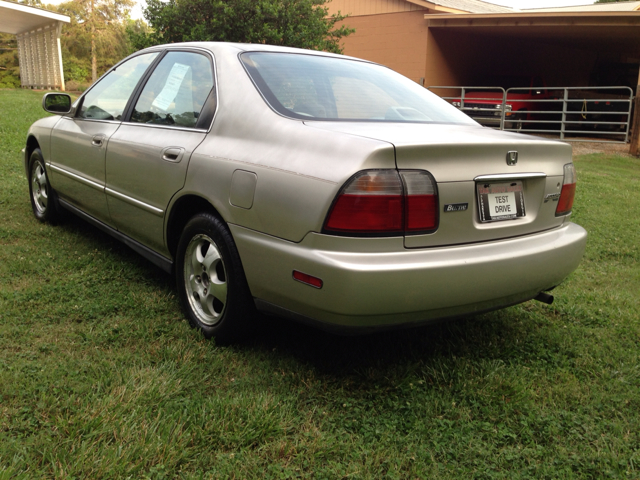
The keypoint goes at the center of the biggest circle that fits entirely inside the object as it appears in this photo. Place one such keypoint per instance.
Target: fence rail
(570, 112)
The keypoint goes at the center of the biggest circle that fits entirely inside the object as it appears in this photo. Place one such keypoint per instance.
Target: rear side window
(176, 91)
(108, 98)
(316, 87)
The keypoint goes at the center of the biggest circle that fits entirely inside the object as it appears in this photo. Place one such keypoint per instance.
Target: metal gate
(586, 114)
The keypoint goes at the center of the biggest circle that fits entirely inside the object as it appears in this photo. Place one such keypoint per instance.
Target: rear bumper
(379, 283)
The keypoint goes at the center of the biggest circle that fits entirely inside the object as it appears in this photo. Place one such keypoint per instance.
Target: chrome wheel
(39, 188)
(205, 279)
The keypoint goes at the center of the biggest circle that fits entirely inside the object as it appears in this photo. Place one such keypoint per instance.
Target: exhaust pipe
(544, 298)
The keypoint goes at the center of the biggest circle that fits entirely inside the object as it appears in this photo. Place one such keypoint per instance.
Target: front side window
(108, 98)
(176, 91)
(313, 87)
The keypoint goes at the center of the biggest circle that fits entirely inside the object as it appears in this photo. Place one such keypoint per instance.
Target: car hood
(459, 152)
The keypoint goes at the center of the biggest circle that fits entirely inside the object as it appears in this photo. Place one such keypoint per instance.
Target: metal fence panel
(570, 112)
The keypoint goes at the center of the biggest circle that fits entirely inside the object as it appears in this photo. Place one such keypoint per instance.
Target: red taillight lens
(565, 203)
(421, 213)
(371, 202)
(421, 205)
(366, 214)
(385, 202)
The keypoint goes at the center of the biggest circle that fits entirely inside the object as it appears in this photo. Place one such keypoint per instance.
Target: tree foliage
(139, 35)
(9, 61)
(295, 23)
(108, 19)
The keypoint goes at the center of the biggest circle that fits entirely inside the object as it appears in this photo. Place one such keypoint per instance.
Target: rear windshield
(310, 87)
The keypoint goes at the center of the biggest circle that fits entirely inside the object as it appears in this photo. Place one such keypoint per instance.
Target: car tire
(515, 123)
(211, 283)
(43, 197)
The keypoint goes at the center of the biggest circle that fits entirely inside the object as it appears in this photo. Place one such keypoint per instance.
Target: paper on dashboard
(171, 87)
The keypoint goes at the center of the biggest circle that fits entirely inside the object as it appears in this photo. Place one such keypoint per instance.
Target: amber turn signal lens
(565, 203)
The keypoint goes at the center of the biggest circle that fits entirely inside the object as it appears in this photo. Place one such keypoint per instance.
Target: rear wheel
(211, 282)
(43, 201)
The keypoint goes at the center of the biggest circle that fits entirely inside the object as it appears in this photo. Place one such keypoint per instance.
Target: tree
(9, 71)
(32, 3)
(139, 35)
(294, 23)
(97, 32)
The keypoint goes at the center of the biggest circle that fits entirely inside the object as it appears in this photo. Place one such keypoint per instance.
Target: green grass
(101, 377)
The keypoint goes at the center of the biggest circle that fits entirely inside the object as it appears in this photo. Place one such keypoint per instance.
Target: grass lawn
(101, 377)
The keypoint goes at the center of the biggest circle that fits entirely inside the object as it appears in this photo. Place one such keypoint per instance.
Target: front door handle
(172, 154)
(97, 140)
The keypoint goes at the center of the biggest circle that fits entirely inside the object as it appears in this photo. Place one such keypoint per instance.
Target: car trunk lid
(465, 158)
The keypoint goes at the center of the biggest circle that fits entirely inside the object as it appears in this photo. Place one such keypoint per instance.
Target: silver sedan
(307, 185)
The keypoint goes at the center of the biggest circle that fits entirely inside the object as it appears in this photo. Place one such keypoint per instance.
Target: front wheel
(211, 282)
(516, 121)
(42, 196)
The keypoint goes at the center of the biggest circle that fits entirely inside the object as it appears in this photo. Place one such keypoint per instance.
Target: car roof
(230, 47)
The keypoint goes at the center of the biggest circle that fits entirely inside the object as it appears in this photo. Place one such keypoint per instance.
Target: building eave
(534, 19)
(436, 8)
(17, 18)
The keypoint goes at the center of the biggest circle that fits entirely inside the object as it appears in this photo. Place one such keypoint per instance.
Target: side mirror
(58, 103)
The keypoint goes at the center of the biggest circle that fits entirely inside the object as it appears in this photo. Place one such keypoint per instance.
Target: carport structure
(38, 34)
(564, 48)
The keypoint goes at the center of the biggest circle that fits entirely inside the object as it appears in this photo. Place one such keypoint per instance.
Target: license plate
(500, 201)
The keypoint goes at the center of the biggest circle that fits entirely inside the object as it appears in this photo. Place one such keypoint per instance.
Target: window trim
(80, 102)
(128, 109)
(210, 103)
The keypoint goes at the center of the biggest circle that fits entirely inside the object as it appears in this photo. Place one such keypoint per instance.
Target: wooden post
(634, 148)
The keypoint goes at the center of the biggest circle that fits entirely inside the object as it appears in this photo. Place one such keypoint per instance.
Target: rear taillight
(385, 202)
(565, 203)
(421, 201)
(371, 202)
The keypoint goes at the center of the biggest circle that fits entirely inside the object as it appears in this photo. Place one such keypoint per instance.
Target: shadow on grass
(501, 334)
(106, 243)
(493, 335)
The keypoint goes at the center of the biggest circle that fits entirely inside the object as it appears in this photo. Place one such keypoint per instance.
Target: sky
(136, 11)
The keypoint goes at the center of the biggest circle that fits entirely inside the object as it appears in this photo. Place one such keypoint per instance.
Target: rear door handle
(172, 154)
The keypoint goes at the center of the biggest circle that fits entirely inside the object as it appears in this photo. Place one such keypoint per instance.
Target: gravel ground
(584, 148)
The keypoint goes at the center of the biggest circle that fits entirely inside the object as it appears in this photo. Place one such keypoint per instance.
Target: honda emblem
(512, 158)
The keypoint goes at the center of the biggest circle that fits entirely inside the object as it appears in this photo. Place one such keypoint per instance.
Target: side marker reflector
(307, 279)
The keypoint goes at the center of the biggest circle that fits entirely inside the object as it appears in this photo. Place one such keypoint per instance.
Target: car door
(78, 142)
(147, 157)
